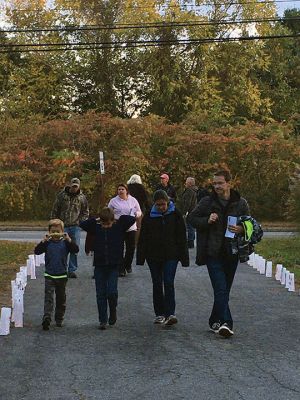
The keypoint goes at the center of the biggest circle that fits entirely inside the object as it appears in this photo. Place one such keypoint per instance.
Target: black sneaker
(46, 324)
(225, 330)
(72, 275)
(59, 324)
(102, 326)
(215, 327)
(171, 320)
(129, 270)
(122, 274)
(112, 317)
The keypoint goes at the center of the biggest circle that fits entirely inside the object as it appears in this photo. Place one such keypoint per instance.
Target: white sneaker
(171, 320)
(225, 331)
(159, 319)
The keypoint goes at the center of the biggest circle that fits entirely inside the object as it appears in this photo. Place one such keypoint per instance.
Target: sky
(281, 6)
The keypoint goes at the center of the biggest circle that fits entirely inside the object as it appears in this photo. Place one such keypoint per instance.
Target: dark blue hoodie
(109, 242)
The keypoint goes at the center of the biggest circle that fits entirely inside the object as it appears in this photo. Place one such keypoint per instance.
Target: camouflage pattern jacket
(71, 208)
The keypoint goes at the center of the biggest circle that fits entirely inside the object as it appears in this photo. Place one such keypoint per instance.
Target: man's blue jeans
(191, 232)
(74, 233)
(106, 280)
(221, 272)
(163, 276)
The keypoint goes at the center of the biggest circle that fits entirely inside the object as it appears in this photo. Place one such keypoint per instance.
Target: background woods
(73, 76)
(38, 157)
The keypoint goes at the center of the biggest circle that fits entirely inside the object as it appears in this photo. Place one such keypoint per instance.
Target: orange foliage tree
(38, 157)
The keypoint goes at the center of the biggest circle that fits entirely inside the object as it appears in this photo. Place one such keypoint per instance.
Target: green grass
(285, 251)
(12, 256)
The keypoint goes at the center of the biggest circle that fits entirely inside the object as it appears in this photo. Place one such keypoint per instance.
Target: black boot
(112, 302)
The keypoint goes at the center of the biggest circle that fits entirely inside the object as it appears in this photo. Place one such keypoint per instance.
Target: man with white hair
(189, 202)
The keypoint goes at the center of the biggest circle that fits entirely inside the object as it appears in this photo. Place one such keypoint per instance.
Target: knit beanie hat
(160, 195)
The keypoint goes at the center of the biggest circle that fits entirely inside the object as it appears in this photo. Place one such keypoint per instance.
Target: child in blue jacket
(108, 250)
(56, 245)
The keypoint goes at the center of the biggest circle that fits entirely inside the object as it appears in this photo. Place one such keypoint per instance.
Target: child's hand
(46, 238)
(67, 237)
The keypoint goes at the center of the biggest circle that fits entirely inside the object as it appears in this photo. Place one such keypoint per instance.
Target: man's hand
(213, 218)
(236, 228)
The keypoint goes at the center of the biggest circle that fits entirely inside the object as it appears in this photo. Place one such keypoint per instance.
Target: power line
(162, 6)
(149, 25)
(123, 45)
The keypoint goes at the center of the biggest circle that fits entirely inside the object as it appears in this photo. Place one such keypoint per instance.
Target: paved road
(137, 360)
(35, 236)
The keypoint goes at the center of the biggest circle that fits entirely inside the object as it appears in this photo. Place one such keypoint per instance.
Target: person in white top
(125, 204)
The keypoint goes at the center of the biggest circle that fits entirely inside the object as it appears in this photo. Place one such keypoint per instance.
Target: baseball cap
(165, 176)
(75, 182)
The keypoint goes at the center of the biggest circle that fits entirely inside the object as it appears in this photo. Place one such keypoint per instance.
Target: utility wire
(150, 43)
(149, 25)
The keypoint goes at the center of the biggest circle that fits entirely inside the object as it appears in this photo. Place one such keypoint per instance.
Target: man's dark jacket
(189, 199)
(169, 189)
(211, 239)
(163, 239)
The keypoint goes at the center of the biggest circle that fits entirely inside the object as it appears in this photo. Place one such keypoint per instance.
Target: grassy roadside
(33, 223)
(285, 251)
(12, 256)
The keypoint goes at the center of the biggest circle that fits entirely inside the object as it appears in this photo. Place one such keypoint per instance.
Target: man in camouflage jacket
(71, 207)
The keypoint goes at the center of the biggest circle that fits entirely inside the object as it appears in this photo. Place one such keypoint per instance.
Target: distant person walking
(138, 191)
(162, 244)
(167, 187)
(188, 203)
(125, 204)
(71, 207)
(218, 251)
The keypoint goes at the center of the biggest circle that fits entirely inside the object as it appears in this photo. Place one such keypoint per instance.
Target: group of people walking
(161, 235)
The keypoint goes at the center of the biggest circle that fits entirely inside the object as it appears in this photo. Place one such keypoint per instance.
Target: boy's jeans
(163, 276)
(106, 280)
(59, 287)
(221, 272)
(74, 233)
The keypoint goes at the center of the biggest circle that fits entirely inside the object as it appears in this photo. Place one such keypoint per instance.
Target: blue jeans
(163, 276)
(74, 233)
(191, 232)
(106, 280)
(221, 272)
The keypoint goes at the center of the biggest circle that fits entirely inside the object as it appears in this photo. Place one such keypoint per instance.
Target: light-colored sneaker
(171, 320)
(225, 331)
(159, 319)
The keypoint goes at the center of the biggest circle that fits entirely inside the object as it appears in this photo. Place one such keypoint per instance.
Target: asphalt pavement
(136, 359)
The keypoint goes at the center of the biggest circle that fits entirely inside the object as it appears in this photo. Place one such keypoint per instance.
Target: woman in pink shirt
(125, 204)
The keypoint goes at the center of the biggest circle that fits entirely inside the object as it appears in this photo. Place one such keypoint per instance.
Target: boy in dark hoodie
(56, 245)
(108, 256)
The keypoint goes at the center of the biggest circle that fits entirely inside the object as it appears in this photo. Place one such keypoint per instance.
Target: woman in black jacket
(163, 244)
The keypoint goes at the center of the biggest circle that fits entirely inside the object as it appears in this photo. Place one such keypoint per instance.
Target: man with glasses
(214, 246)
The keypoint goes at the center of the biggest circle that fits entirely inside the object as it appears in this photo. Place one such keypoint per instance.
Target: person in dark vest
(167, 187)
(188, 203)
